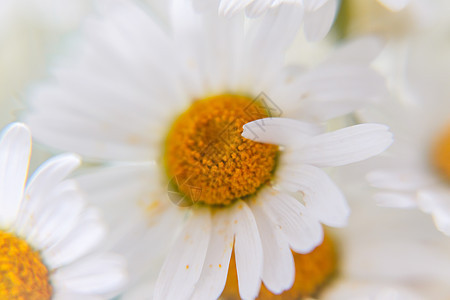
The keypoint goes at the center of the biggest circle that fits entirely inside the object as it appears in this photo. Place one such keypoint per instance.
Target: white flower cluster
(210, 149)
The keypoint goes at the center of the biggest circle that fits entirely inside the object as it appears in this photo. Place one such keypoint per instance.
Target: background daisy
(47, 235)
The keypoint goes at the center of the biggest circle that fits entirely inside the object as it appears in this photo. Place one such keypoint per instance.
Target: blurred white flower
(30, 32)
(387, 253)
(416, 171)
(47, 234)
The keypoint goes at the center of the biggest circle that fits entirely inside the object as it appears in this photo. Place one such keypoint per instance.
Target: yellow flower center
(209, 159)
(22, 273)
(312, 272)
(441, 153)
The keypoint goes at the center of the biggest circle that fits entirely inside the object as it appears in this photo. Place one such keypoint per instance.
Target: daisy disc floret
(23, 274)
(206, 152)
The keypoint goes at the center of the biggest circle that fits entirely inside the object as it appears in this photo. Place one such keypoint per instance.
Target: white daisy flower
(45, 230)
(169, 110)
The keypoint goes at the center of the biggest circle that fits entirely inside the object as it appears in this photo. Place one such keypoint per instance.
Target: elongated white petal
(230, 7)
(96, 275)
(83, 238)
(318, 22)
(313, 5)
(15, 150)
(278, 270)
(50, 173)
(184, 263)
(264, 40)
(321, 196)
(41, 185)
(215, 270)
(280, 131)
(302, 230)
(394, 5)
(399, 179)
(395, 199)
(247, 250)
(362, 50)
(257, 8)
(344, 146)
(436, 202)
(57, 219)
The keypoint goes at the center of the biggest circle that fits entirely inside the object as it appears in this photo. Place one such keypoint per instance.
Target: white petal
(42, 183)
(247, 250)
(398, 200)
(264, 41)
(15, 150)
(257, 8)
(215, 270)
(278, 270)
(361, 50)
(280, 131)
(88, 139)
(58, 218)
(183, 265)
(50, 173)
(78, 242)
(112, 184)
(346, 84)
(394, 5)
(312, 5)
(321, 196)
(318, 22)
(302, 230)
(101, 275)
(230, 7)
(343, 146)
(437, 203)
(398, 179)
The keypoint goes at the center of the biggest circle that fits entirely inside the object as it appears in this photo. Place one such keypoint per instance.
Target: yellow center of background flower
(312, 272)
(441, 153)
(22, 273)
(208, 157)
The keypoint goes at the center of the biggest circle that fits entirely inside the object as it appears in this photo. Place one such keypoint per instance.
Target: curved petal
(301, 228)
(215, 270)
(321, 196)
(97, 275)
(183, 265)
(394, 5)
(83, 238)
(247, 250)
(15, 150)
(279, 269)
(47, 179)
(280, 131)
(341, 147)
(318, 22)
